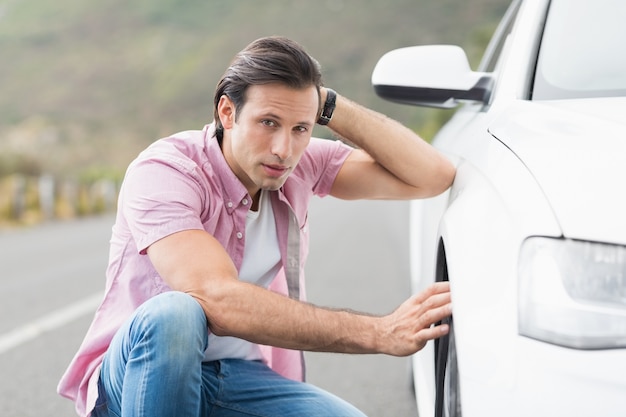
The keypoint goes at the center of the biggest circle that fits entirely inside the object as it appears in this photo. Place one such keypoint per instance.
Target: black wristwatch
(329, 107)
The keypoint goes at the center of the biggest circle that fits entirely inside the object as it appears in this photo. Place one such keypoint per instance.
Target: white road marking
(49, 322)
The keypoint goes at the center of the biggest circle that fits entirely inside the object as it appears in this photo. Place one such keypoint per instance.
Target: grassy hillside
(84, 85)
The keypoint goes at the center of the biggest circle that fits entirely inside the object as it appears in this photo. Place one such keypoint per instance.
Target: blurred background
(86, 85)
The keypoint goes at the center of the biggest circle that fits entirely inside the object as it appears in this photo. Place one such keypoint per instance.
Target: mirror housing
(431, 76)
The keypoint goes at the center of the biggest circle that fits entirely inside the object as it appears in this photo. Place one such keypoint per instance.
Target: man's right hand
(412, 324)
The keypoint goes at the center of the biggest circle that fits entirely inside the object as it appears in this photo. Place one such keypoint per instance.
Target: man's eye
(301, 129)
(268, 123)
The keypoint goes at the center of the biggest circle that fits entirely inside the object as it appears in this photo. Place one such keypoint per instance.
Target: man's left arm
(392, 161)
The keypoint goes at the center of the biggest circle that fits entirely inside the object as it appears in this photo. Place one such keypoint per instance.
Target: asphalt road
(51, 277)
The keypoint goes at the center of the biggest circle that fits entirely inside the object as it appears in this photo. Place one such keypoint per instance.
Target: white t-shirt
(261, 263)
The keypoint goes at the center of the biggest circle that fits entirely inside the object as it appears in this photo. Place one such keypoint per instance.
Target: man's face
(273, 128)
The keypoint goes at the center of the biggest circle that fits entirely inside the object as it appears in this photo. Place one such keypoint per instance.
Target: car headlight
(573, 293)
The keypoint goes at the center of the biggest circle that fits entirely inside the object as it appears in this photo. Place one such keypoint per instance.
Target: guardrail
(28, 200)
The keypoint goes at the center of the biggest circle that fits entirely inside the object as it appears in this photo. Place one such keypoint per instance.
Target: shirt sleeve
(159, 198)
(322, 161)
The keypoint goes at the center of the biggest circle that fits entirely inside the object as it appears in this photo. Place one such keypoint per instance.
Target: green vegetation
(87, 85)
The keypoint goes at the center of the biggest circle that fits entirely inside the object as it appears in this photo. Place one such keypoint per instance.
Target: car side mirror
(431, 76)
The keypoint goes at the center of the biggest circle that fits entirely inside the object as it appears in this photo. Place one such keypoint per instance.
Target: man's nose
(281, 145)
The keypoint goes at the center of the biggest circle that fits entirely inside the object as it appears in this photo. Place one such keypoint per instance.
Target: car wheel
(448, 393)
(450, 402)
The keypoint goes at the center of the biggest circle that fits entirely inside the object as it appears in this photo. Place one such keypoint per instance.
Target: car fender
(493, 205)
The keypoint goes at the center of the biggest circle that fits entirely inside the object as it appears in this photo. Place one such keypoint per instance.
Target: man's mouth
(275, 171)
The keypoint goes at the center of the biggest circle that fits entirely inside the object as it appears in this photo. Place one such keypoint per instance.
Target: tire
(448, 391)
(448, 400)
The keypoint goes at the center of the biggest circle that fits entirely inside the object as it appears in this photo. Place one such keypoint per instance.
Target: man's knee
(164, 340)
(175, 304)
(174, 316)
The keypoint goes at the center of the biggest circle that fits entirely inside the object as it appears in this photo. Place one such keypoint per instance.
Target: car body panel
(589, 153)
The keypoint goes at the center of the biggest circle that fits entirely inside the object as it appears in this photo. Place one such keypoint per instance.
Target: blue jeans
(154, 367)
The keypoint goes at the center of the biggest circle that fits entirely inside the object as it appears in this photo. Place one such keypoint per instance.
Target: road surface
(52, 276)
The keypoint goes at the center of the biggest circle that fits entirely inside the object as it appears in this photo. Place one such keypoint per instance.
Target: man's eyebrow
(280, 119)
(272, 116)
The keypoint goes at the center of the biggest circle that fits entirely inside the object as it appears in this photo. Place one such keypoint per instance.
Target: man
(204, 310)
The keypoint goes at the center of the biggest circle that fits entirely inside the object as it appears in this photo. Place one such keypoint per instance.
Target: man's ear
(226, 111)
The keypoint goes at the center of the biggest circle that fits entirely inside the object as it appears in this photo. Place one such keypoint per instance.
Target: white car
(532, 234)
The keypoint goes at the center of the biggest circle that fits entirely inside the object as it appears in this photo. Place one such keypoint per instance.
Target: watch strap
(329, 107)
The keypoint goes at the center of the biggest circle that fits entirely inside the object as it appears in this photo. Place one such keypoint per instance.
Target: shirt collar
(233, 190)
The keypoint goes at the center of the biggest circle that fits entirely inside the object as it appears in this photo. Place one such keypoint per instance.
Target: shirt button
(229, 204)
(239, 235)
(244, 201)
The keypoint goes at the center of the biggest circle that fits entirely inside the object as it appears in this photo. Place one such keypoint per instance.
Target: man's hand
(410, 326)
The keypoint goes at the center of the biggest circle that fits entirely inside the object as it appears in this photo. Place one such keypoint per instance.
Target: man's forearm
(261, 316)
(236, 308)
(392, 145)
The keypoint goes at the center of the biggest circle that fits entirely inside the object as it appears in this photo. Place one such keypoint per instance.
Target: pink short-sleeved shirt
(180, 183)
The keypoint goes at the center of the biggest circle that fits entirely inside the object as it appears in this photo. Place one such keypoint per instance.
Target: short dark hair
(267, 60)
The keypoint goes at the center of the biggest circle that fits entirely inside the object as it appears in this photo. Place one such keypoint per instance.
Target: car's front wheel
(448, 393)
(448, 396)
